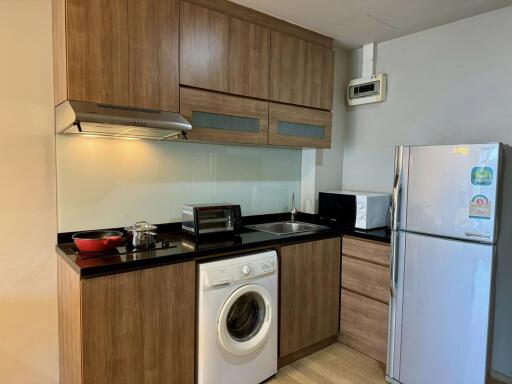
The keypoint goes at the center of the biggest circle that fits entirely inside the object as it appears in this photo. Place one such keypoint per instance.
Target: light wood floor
(336, 364)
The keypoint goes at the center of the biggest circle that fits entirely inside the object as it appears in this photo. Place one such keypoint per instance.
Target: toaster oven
(207, 219)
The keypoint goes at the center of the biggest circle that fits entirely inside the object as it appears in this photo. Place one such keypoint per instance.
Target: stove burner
(127, 249)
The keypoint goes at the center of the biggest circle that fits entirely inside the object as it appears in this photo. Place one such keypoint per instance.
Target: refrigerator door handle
(397, 188)
(395, 214)
(393, 262)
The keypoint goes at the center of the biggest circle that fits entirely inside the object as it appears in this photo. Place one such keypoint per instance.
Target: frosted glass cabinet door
(223, 118)
(299, 127)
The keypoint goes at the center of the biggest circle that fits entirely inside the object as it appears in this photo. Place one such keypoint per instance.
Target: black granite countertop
(182, 247)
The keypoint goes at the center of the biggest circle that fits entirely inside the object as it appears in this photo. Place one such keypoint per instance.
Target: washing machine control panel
(236, 272)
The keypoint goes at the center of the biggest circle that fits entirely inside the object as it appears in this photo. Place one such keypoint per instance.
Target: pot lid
(141, 226)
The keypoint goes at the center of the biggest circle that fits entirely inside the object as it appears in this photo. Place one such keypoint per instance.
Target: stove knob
(246, 270)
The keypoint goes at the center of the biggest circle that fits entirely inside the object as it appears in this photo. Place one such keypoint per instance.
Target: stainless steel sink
(286, 227)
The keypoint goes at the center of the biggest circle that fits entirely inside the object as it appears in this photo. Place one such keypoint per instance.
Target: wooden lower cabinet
(364, 324)
(309, 297)
(365, 278)
(217, 117)
(134, 327)
(293, 126)
(364, 297)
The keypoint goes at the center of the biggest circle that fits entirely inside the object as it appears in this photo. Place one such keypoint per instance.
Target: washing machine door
(244, 321)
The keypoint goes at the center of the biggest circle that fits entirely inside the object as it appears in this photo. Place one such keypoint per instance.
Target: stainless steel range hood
(80, 117)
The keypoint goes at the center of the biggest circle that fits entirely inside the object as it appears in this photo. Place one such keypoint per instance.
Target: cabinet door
(153, 50)
(364, 325)
(287, 68)
(319, 76)
(299, 127)
(224, 118)
(204, 47)
(97, 50)
(310, 288)
(249, 58)
(138, 327)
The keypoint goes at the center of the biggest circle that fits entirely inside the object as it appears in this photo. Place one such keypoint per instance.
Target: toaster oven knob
(246, 270)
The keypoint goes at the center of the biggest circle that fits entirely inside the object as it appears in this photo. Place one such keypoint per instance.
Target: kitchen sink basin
(286, 227)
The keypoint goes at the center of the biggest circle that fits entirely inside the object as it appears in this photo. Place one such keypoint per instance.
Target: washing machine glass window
(244, 320)
(246, 316)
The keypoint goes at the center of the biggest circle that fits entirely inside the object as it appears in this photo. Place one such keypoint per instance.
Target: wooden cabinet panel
(153, 49)
(310, 280)
(364, 325)
(97, 50)
(367, 250)
(365, 278)
(70, 339)
(204, 47)
(319, 76)
(249, 58)
(299, 127)
(138, 327)
(224, 118)
(287, 68)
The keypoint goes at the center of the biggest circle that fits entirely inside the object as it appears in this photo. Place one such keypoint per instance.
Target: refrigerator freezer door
(446, 299)
(451, 191)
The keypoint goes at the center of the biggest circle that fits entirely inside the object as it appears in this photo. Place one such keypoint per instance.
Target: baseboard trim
(499, 378)
(285, 360)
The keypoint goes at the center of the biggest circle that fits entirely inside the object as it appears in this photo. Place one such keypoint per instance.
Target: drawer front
(223, 118)
(365, 278)
(364, 325)
(368, 250)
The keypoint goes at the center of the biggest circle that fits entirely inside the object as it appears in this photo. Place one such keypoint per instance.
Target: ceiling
(353, 23)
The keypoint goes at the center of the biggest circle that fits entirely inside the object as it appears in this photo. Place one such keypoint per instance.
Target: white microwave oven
(362, 210)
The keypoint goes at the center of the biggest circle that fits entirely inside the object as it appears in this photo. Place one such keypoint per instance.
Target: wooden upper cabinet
(153, 50)
(249, 59)
(310, 289)
(287, 68)
(204, 47)
(97, 50)
(122, 52)
(319, 76)
(294, 126)
(224, 118)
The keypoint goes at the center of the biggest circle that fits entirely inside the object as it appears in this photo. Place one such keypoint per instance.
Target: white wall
(28, 312)
(322, 169)
(450, 84)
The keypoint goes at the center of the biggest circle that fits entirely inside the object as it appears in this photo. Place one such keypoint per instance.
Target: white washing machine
(237, 323)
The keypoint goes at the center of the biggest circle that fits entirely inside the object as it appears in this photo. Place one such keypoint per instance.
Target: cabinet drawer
(365, 278)
(299, 127)
(364, 325)
(368, 250)
(224, 118)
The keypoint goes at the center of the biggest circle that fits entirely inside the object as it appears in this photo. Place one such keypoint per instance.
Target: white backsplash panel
(106, 183)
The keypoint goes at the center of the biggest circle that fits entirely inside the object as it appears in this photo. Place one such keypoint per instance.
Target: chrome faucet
(293, 211)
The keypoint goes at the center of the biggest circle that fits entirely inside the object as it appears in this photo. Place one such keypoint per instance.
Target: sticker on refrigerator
(481, 176)
(480, 208)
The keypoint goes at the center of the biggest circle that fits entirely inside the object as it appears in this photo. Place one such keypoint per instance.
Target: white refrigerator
(447, 221)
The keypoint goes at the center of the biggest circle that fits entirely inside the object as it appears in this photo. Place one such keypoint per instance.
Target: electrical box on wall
(367, 90)
(370, 88)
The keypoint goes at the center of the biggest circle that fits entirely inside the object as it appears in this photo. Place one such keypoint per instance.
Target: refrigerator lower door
(451, 191)
(445, 311)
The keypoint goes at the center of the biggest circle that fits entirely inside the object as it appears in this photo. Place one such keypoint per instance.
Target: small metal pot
(141, 235)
